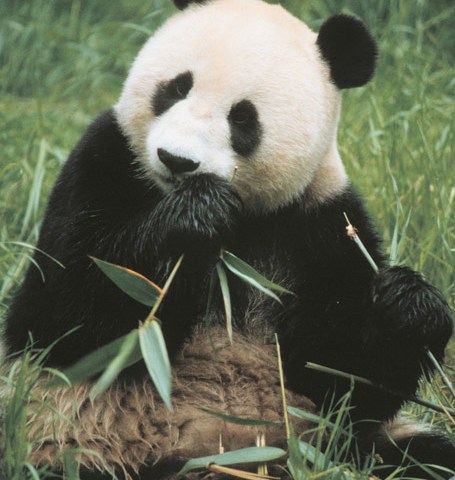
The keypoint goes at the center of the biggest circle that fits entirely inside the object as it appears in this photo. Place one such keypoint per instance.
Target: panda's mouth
(171, 181)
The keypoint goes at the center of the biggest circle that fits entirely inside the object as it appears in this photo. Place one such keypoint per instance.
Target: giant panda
(224, 136)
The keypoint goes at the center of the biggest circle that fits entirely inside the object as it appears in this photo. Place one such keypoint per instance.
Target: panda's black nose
(175, 163)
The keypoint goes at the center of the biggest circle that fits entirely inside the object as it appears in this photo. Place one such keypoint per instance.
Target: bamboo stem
(379, 386)
(283, 391)
(151, 316)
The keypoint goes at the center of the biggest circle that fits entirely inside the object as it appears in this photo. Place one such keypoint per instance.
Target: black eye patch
(169, 93)
(246, 130)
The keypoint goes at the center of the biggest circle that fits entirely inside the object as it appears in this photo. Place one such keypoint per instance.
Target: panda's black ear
(182, 4)
(349, 49)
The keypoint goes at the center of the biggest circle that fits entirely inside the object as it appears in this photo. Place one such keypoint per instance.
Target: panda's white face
(235, 88)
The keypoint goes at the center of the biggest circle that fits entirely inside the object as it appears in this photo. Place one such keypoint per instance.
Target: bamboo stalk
(283, 390)
(379, 386)
(151, 316)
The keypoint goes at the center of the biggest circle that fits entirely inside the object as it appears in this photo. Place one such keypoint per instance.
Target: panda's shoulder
(101, 160)
(325, 223)
(347, 201)
(103, 143)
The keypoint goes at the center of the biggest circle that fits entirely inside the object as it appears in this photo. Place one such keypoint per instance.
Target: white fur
(236, 50)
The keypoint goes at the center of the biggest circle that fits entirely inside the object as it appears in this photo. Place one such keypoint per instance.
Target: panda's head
(243, 90)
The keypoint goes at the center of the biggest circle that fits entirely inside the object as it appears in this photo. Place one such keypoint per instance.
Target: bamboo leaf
(316, 457)
(226, 298)
(245, 455)
(249, 271)
(312, 417)
(208, 307)
(248, 274)
(239, 420)
(93, 363)
(129, 353)
(156, 359)
(132, 283)
(296, 465)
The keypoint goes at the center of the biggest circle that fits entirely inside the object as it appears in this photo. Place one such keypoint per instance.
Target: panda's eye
(181, 85)
(246, 130)
(241, 113)
(169, 93)
(179, 90)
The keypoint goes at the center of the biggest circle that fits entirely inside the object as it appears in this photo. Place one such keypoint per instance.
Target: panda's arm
(99, 207)
(351, 319)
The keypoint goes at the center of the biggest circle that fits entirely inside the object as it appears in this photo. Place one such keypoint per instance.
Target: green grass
(63, 62)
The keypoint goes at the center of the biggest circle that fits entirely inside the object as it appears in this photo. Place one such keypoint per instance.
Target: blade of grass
(312, 417)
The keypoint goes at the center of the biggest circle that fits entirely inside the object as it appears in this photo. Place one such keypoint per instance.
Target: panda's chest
(271, 252)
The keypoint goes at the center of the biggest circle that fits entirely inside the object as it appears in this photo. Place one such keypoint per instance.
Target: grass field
(63, 62)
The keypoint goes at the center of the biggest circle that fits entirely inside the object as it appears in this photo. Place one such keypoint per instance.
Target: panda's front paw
(410, 312)
(197, 218)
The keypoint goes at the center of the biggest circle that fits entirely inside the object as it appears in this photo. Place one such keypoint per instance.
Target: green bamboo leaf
(296, 465)
(132, 283)
(208, 308)
(93, 363)
(156, 359)
(251, 281)
(240, 420)
(226, 298)
(248, 274)
(244, 455)
(315, 456)
(312, 417)
(129, 353)
(249, 271)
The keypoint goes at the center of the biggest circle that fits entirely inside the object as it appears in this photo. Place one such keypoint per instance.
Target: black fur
(343, 316)
(169, 93)
(349, 49)
(182, 4)
(428, 448)
(246, 130)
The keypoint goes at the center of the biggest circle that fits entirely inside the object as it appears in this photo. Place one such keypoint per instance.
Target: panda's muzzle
(175, 163)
